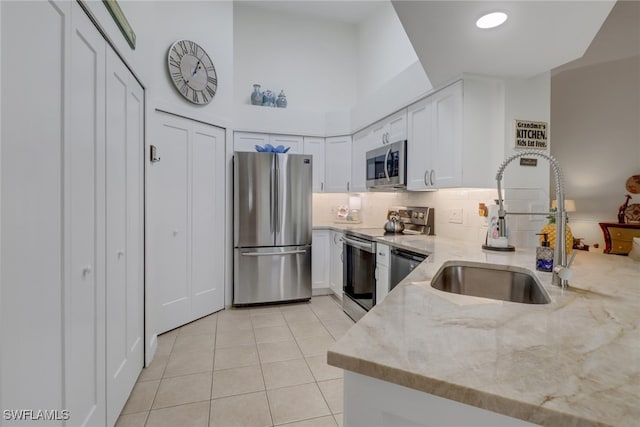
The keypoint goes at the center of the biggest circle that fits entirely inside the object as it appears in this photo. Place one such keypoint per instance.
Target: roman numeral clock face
(192, 72)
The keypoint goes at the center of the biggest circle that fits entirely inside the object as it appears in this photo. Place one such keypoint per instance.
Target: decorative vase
(282, 100)
(256, 95)
(268, 99)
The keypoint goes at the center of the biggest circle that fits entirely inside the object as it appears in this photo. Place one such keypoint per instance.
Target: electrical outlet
(455, 216)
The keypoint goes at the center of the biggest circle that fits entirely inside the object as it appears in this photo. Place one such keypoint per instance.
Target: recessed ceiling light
(491, 20)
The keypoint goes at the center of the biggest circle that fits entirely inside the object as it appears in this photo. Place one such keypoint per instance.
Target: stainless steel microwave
(386, 167)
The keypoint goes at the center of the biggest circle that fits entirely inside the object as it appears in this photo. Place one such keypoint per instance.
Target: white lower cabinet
(320, 259)
(382, 272)
(369, 401)
(337, 260)
(72, 237)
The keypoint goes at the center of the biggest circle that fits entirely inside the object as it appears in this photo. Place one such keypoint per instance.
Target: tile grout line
(213, 368)
(264, 382)
(307, 362)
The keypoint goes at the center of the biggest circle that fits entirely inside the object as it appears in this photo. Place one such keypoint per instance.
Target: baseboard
(321, 291)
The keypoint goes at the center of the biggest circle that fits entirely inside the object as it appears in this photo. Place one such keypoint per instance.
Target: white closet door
(84, 223)
(184, 218)
(207, 216)
(124, 283)
(167, 222)
(32, 154)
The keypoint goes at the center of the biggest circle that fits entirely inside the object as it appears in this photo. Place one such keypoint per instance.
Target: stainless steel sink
(498, 282)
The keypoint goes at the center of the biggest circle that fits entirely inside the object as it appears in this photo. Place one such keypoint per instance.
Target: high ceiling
(538, 36)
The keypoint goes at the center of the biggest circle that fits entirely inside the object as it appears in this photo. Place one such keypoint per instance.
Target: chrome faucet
(561, 271)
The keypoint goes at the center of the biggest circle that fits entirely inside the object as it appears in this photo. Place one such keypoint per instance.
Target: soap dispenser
(544, 255)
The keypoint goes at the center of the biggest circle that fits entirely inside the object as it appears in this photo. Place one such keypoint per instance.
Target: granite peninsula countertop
(573, 362)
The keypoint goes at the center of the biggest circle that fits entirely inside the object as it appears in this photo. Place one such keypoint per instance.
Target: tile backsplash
(473, 227)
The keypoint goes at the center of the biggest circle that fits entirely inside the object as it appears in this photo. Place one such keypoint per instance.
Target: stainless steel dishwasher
(402, 263)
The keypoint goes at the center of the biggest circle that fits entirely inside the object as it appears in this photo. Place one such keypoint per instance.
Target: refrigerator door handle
(272, 195)
(302, 251)
(276, 214)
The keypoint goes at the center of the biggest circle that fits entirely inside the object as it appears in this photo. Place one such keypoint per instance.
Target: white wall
(384, 50)
(390, 75)
(596, 116)
(157, 25)
(311, 59)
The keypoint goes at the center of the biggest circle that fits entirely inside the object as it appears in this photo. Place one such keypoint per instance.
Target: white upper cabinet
(390, 129)
(397, 127)
(293, 142)
(247, 141)
(315, 147)
(454, 135)
(338, 164)
(363, 141)
(419, 159)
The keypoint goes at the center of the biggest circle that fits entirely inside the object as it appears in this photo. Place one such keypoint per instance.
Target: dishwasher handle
(408, 255)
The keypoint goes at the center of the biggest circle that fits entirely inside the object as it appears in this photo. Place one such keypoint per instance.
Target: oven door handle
(359, 245)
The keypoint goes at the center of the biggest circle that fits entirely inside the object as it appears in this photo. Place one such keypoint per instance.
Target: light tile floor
(261, 366)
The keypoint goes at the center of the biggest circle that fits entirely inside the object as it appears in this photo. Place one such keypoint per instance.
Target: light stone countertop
(573, 362)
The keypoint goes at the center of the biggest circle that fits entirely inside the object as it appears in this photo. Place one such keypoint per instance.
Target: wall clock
(192, 72)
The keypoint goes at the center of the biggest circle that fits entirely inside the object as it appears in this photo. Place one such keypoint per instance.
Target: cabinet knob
(322, 186)
(120, 253)
(426, 177)
(432, 175)
(380, 253)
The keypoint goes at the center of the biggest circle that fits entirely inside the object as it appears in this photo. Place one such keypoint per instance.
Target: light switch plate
(455, 216)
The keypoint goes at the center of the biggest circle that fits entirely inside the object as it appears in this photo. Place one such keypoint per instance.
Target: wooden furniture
(618, 237)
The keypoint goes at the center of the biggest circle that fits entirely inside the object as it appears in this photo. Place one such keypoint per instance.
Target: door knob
(86, 271)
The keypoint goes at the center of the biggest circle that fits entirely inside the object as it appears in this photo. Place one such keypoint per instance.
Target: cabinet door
(294, 143)
(315, 148)
(320, 259)
(447, 136)
(397, 127)
(378, 134)
(336, 263)
(419, 160)
(363, 141)
(247, 141)
(382, 282)
(338, 164)
(124, 233)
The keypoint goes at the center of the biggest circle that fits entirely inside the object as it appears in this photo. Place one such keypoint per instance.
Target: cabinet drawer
(382, 255)
(621, 247)
(623, 234)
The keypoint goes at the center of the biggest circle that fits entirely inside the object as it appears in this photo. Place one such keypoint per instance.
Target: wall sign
(531, 135)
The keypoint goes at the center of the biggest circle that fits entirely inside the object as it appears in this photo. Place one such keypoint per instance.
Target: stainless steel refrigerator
(272, 227)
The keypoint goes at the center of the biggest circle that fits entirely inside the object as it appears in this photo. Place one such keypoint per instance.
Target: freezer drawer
(271, 274)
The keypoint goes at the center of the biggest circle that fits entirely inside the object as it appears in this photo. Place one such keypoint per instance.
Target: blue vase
(268, 99)
(256, 95)
(282, 100)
